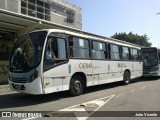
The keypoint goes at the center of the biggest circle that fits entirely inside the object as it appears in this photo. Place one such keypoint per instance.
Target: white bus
(52, 60)
(151, 61)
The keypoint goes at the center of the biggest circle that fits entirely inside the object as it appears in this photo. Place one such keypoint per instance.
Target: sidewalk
(4, 86)
(4, 90)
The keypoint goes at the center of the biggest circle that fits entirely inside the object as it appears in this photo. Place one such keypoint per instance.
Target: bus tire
(126, 78)
(76, 86)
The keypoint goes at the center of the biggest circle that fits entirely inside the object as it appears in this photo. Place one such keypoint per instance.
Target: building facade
(20, 16)
(56, 11)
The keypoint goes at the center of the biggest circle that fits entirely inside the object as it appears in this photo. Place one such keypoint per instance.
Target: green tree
(142, 40)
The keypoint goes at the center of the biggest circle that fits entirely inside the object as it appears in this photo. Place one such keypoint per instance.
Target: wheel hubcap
(77, 86)
(127, 78)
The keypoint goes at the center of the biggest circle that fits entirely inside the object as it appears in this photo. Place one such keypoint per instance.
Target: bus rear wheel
(76, 86)
(126, 78)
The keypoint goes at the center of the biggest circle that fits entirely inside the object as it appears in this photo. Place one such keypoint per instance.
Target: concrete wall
(2, 4)
(59, 14)
(12, 5)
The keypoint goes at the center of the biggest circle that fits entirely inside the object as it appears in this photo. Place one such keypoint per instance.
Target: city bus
(151, 61)
(52, 60)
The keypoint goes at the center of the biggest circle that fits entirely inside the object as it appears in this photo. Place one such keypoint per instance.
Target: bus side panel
(114, 72)
(136, 69)
(53, 79)
(99, 69)
(108, 71)
(58, 78)
(85, 67)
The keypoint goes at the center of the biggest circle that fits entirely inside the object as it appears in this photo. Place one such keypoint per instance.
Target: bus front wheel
(76, 86)
(126, 78)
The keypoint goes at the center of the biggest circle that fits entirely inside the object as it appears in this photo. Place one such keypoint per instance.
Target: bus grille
(18, 80)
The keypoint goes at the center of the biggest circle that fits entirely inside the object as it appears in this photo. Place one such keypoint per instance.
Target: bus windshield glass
(27, 51)
(150, 57)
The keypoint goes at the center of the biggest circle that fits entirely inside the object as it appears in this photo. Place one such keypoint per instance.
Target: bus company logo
(6, 114)
(85, 65)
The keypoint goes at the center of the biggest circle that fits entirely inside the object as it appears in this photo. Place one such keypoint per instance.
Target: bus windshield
(27, 51)
(150, 57)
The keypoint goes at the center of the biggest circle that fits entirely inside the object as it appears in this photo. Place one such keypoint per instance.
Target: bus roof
(93, 36)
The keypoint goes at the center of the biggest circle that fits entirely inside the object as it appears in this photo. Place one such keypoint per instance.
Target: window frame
(79, 47)
(105, 51)
(63, 61)
(109, 52)
(129, 53)
(138, 57)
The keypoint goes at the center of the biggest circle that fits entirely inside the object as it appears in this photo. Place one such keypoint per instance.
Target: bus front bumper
(35, 87)
(150, 73)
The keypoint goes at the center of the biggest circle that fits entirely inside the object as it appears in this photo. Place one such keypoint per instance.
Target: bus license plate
(18, 87)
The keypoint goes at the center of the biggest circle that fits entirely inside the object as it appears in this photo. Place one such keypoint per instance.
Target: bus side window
(51, 49)
(55, 52)
(134, 54)
(114, 52)
(79, 47)
(99, 50)
(125, 54)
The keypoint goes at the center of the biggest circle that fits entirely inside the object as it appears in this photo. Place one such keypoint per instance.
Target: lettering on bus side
(85, 65)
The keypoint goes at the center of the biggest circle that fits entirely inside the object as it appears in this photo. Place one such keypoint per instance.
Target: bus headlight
(155, 69)
(33, 76)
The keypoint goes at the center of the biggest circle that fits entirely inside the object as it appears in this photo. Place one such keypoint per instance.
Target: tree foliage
(142, 40)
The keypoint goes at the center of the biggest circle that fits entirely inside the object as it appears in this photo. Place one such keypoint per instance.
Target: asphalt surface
(140, 95)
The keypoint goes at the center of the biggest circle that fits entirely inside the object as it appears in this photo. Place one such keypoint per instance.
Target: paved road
(140, 95)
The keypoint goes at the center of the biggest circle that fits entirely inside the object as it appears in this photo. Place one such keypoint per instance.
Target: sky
(106, 17)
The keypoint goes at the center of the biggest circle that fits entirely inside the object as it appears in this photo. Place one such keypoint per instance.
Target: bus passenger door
(99, 62)
(55, 65)
(126, 64)
(137, 65)
(114, 69)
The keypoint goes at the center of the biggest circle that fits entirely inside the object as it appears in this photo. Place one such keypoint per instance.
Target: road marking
(93, 101)
(102, 104)
(90, 106)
